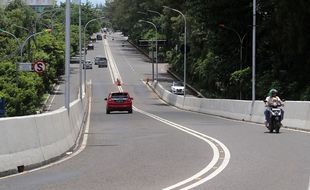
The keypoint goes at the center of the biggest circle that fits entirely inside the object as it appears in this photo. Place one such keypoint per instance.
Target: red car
(119, 101)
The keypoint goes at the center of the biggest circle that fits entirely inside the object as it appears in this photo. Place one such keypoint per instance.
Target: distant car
(101, 61)
(88, 65)
(99, 37)
(75, 60)
(177, 87)
(119, 101)
(90, 46)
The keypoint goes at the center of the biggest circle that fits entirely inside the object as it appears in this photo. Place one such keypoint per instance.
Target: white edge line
(208, 167)
(113, 64)
(216, 172)
(191, 132)
(54, 95)
(113, 69)
(108, 57)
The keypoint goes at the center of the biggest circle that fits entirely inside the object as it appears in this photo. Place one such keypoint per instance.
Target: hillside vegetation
(24, 92)
(213, 64)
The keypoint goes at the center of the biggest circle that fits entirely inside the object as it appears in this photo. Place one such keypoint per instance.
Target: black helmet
(273, 92)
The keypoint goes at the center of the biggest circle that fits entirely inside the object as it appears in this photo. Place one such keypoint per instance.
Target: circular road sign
(39, 66)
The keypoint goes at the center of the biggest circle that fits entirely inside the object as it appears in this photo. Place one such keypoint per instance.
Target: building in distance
(37, 5)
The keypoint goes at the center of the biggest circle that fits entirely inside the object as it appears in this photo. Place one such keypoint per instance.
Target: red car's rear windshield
(119, 95)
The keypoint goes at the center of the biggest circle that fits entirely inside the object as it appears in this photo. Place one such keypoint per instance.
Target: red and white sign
(39, 66)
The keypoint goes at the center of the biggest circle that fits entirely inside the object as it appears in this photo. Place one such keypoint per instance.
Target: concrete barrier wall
(297, 113)
(35, 140)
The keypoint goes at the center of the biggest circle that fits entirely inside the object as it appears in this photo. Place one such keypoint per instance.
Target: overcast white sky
(94, 2)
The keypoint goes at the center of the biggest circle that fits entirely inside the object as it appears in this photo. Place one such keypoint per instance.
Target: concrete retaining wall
(297, 113)
(34, 140)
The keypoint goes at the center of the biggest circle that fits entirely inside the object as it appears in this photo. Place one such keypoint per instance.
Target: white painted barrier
(34, 140)
(297, 113)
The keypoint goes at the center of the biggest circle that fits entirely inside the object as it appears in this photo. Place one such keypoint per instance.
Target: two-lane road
(162, 147)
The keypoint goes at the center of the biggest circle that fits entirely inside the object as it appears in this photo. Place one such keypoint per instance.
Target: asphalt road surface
(162, 147)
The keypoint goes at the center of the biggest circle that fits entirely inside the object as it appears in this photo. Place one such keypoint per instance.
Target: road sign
(25, 66)
(2, 108)
(39, 66)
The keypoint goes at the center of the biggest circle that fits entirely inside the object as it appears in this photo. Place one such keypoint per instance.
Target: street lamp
(151, 11)
(185, 49)
(158, 13)
(41, 14)
(53, 16)
(241, 39)
(80, 48)
(33, 35)
(67, 55)
(20, 27)
(152, 48)
(12, 36)
(143, 13)
(38, 17)
(92, 20)
(253, 54)
(18, 42)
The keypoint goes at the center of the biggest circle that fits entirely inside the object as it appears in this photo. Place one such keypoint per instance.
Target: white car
(177, 88)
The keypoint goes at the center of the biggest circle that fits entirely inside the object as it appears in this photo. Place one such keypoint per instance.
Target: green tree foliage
(214, 66)
(24, 91)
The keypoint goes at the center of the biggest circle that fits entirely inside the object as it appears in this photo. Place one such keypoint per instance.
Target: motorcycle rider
(272, 100)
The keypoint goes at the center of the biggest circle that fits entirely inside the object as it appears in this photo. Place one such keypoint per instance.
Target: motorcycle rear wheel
(272, 126)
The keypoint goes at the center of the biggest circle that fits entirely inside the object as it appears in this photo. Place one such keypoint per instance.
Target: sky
(94, 2)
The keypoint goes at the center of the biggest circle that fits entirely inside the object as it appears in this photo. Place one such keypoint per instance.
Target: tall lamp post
(253, 54)
(18, 42)
(156, 38)
(21, 27)
(24, 43)
(53, 16)
(241, 39)
(42, 13)
(143, 13)
(92, 20)
(185, 49)
(80, 48)
(67, 55)
(151, 11)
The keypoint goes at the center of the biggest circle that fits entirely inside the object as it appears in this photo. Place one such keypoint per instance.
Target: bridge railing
(31, 141)
(297, 113)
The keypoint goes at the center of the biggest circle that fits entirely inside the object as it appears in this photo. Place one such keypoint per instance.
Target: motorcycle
(275, 113)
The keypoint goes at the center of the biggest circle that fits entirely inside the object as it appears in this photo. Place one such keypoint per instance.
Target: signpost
(25, 66)
(39, 67)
